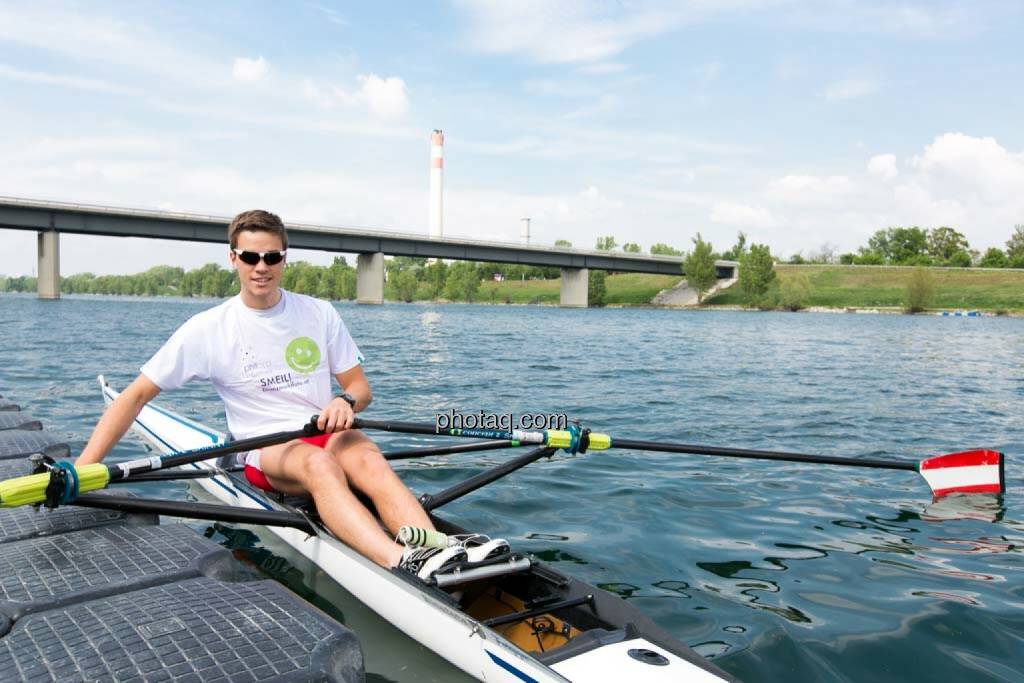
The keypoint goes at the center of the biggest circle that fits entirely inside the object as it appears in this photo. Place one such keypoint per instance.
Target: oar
(64, 481)
(448, 449)
(976, 471)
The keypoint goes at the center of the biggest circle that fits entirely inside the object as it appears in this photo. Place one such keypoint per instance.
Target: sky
(803, 124)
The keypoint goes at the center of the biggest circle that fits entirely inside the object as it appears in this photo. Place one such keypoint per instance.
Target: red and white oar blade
(978, 471)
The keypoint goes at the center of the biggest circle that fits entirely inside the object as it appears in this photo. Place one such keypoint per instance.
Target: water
(778, 571)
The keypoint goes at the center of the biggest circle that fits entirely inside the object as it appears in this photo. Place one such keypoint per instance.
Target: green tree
(631, 248)
(307, 280)
(794, 292)
(405, 285)
(944, 243)
(797, 259)
(959, 259)
(699, 267)
(606, 243)
(596, 290)
(462, 282)
(920, 291)
(333, 280)
(563, 244)
(1015, 245)
(400, 264)
(434, 275)
(757, 272)
(662, 249)
(737, 250)
(994, 258)
(899, 245)
(349, 284)
(869, 258)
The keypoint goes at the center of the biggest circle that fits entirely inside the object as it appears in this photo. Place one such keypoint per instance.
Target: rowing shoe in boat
(514, 620)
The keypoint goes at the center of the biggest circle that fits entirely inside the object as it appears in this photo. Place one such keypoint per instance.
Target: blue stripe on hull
(511, 669)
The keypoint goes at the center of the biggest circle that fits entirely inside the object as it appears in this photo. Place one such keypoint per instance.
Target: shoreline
(832, 310)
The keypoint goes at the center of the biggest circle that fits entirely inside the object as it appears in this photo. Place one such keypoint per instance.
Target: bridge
(50, 219)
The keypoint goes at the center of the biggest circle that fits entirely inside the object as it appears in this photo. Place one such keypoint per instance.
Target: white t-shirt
(272, 368)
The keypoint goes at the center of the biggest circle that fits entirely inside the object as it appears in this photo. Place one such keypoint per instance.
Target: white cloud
(384, 96)
(62, 80)
(602, 68)
(956, 163)
(570, 32)
(91, 39)
(331, 15)
(971, 183)
(249, 70)
(807, 190)
(742, 215)
(883, 166)
(849, 89)
(596, 197)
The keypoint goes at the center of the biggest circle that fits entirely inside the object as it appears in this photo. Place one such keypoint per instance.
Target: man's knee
(366, 463)
(320, 468)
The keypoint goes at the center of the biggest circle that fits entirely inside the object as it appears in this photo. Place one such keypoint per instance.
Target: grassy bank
(621, 289)
(831, 286)
(885, 287)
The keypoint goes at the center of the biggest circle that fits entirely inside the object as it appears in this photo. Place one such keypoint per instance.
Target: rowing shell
(495, 626)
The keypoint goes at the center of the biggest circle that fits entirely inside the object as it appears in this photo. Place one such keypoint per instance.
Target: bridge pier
(48, 253)
(370, 278)
(575, 287)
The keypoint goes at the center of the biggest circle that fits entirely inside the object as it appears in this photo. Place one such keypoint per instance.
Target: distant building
(498, 277)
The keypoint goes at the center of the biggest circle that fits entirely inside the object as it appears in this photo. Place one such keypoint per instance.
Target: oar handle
(217, 450)
(31, 489)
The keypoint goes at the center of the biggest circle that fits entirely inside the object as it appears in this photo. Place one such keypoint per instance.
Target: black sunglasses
(271, 258)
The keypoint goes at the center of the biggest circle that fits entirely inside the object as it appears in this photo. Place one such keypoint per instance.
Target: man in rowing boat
(270, 355)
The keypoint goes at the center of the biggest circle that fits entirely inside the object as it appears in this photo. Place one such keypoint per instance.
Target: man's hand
(336, 417)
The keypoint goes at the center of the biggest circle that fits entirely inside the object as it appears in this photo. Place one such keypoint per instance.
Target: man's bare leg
(367, 471)
(299, 468)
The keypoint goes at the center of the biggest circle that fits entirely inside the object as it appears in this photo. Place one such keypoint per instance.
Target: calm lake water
(778, 571)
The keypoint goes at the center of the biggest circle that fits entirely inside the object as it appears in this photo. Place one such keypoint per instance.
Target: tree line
(942, 246)
(406, 279)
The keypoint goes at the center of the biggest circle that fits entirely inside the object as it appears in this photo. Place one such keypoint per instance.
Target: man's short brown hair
(257, 220)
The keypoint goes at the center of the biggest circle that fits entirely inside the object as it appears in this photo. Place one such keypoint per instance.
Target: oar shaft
(635, 444)
(524, 437)
(191, 510)
(133, 468)
(436, 500)
(449, 449)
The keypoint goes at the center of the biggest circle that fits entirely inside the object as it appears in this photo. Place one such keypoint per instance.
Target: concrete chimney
(436, 184)
(524, 230)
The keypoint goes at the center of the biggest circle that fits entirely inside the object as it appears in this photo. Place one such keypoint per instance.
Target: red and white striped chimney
(436, 184)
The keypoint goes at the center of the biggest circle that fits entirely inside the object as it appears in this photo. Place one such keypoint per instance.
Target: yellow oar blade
(32, 488)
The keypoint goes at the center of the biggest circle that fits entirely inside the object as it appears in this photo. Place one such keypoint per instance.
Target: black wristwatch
(347, 397)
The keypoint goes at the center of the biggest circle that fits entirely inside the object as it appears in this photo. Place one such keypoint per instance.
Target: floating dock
(90, 594)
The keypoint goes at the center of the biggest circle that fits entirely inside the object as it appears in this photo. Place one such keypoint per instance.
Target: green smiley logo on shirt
(302, 355)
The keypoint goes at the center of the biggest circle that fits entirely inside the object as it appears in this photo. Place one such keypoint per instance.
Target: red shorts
(255, 475)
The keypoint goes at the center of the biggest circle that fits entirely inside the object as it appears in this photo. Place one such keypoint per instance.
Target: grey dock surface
(97, 595)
